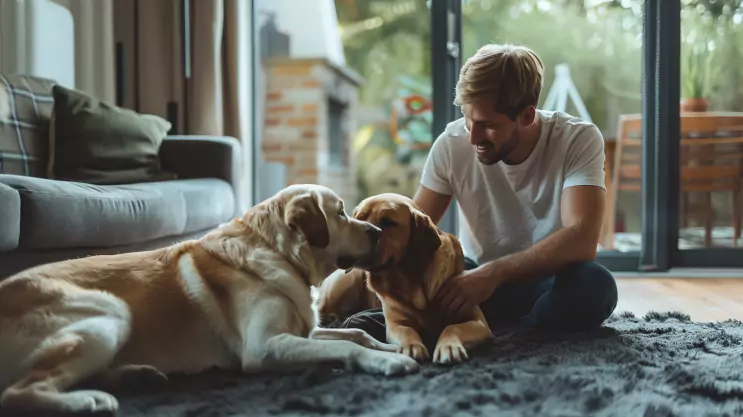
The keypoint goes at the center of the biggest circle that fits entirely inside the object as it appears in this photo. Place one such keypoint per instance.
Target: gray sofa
(44, 220)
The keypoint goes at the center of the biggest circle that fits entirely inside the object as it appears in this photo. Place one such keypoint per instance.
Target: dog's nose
(373, 232)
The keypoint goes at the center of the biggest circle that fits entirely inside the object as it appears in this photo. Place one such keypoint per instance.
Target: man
(530, 188)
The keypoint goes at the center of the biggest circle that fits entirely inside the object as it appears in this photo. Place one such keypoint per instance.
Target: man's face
(494, 135)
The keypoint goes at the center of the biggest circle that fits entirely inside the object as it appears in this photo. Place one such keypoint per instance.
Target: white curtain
(94, 47)
(217, 99)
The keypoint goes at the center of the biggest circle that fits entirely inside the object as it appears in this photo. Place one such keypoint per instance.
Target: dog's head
(317, 215)
(409, 237)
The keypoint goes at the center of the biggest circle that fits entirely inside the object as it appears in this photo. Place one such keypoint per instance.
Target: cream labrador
(238, 298)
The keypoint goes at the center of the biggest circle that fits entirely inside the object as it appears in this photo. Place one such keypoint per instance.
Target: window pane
(711, 148)
(592, 53)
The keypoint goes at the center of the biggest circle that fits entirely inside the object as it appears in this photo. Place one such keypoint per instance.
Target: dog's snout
(373, 232)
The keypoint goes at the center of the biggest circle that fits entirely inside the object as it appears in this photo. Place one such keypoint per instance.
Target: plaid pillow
(24, 137)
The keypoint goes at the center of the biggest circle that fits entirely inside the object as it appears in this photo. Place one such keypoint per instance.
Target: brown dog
(415, 259)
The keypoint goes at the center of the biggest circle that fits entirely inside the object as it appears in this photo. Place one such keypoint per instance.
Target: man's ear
(304, 215)
(423, 243)
(527, 116)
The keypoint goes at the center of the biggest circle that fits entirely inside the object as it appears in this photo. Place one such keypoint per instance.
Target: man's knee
(590, 275)
(591, 288)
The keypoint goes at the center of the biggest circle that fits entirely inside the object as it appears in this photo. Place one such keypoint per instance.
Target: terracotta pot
(694, 105)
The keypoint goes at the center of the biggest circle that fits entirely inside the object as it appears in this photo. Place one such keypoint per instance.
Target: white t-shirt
(508, 208)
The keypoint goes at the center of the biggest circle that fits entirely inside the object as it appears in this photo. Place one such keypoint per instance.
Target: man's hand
(462, 293)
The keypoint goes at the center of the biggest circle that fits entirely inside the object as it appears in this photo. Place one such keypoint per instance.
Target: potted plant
(697, 74)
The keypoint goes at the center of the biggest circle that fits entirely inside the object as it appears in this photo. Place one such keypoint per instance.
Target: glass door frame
(669, 52)
(446, 60)
(661, 132)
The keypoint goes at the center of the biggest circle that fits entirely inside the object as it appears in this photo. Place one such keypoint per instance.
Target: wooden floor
(704, 299)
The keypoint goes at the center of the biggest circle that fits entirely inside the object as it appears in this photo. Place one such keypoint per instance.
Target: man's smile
(483, 149)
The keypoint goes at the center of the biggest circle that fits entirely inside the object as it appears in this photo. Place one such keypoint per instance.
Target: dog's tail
(4, 103)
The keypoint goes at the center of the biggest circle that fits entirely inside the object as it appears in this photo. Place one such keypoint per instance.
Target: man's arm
(436, 190)
(582, 207)
(432, 203)
(582, 210)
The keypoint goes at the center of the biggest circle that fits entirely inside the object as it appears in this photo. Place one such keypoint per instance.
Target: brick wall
(296, 122)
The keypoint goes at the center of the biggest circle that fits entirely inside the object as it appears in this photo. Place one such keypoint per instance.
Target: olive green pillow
(98, 143)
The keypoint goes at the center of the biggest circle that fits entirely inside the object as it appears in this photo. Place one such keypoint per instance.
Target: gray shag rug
(660, 365)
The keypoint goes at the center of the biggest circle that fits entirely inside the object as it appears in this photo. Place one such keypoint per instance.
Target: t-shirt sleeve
(436, 174)
(585, 160)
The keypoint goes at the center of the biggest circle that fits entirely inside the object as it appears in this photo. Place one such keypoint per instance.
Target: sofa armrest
(192, 156)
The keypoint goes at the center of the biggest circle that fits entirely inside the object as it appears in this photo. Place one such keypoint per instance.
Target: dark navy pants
(578, 298)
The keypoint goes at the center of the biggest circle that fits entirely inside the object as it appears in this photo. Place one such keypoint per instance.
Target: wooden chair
(711, 158)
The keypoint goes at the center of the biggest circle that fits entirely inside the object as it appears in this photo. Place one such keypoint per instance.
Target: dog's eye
(385, 222)
(342, 213)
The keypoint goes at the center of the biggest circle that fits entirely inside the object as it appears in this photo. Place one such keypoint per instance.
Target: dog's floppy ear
(424, 241)
(303, 214)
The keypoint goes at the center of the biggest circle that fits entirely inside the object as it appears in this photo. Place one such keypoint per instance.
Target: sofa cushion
(10, 218)
(98, 143)
(59, 214)
(208, 202)
(24, 137)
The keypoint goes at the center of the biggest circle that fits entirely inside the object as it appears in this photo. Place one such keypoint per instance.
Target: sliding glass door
(662, 81)
(593, 56)
(710, 154)
(660, 78)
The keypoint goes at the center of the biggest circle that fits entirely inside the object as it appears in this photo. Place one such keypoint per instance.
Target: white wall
(312, 24)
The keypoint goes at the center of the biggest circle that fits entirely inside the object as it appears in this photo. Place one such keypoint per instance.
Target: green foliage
(388, 43)
(698, 73)
(600, 40)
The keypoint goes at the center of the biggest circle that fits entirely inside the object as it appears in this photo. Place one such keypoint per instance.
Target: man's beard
(506, 149)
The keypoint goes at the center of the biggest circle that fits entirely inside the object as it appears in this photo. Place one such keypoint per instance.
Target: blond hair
(512, 75)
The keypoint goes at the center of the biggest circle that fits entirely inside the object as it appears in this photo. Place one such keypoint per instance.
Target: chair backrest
(711, 151)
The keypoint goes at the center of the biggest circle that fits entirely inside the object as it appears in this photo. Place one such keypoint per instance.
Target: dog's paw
(370, 342)
(89, 401)
(35, 402)
(450, 352)
(364, 339)
(387, 363)
(415, 350)
(385, 347)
